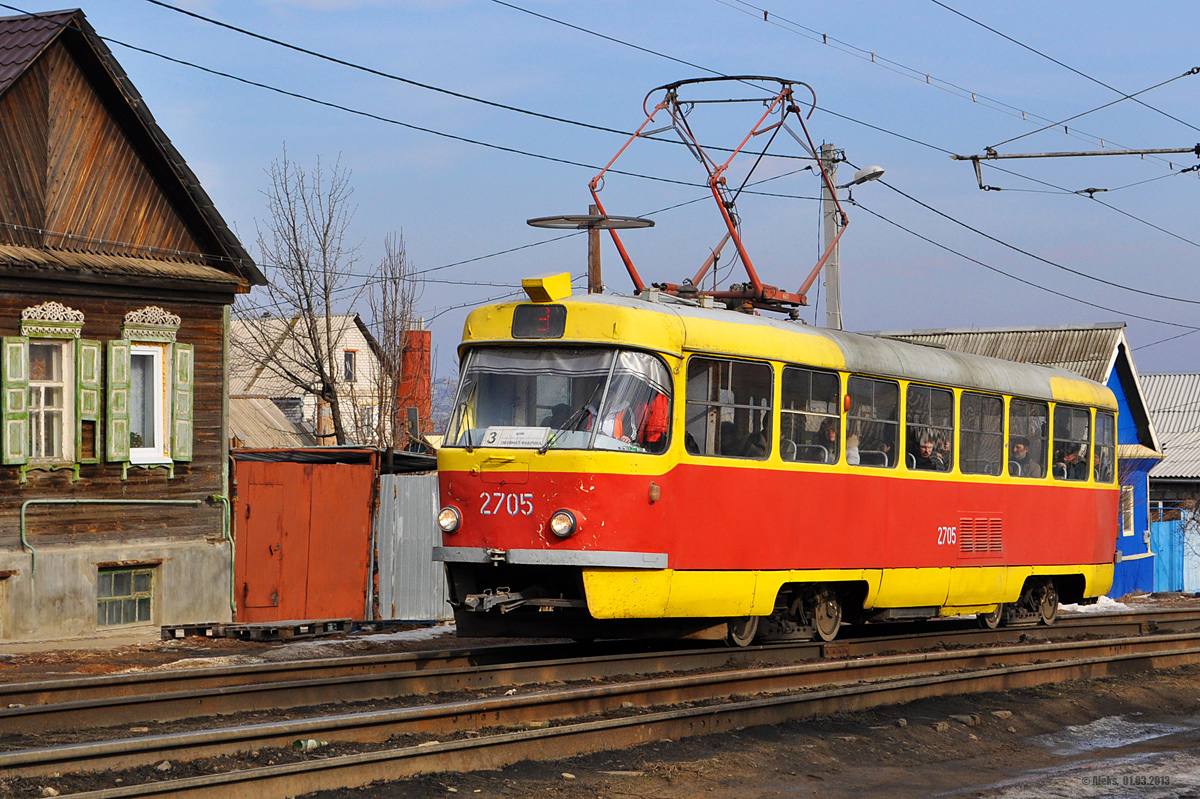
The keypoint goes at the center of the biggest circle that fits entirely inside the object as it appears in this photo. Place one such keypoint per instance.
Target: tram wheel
(990, 621)
(826, 616)
(1046, 602)
(741, 632)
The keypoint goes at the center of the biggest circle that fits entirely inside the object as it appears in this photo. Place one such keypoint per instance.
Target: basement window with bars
(124, 595)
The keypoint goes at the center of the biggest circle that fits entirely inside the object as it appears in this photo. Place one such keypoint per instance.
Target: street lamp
(829, 212)
(864, 175)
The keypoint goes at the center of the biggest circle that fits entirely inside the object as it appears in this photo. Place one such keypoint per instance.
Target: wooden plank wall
(67, 167)
(23, 156)
(202, 326)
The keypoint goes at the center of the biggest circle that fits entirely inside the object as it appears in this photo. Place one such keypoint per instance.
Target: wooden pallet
(171, 632)
(286, 630)
(261, 631)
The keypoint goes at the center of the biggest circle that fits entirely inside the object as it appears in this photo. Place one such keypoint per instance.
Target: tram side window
(728, 408)
(982, 436)
(930, 428)
(874, 420)
(1028, 429)
(809, 425)
(1071, 439)
(1106, 446)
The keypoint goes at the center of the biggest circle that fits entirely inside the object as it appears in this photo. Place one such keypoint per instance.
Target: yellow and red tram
(648, 466)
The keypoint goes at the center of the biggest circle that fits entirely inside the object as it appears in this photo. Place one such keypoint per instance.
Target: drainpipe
(226, 530)
(25, 541)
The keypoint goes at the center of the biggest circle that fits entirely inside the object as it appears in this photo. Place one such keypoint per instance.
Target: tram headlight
(563, 523)
(449, 519)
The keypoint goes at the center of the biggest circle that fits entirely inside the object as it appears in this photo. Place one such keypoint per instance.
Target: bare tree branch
(290, 326)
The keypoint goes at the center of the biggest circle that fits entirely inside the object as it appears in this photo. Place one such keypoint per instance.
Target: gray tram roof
(871, 354)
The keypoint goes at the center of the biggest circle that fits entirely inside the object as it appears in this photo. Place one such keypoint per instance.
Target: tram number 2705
(947, 536)
(512, 504)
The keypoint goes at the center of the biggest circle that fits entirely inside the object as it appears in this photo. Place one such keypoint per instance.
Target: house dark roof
(24, 38)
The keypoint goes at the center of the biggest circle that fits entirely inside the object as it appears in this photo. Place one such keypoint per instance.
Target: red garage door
(303, 539)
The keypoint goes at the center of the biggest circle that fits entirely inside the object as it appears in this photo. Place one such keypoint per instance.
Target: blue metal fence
(1175, 541)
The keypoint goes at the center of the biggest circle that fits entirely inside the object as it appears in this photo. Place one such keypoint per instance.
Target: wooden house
(1098, 352)
(116, 278)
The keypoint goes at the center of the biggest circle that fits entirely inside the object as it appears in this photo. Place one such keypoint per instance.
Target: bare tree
(291, 328)
(391, 297)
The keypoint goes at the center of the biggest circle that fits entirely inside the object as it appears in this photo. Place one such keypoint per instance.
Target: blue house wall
(1135, 571)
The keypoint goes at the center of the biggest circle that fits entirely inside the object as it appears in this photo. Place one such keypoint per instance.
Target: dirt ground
(1136, 736)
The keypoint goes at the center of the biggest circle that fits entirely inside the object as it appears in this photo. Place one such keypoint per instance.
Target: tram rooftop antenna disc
(590, 222)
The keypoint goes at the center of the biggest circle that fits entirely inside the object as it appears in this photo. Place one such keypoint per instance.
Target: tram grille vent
(980, 536)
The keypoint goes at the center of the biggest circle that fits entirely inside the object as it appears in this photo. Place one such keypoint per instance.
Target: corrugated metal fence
(412, 586)
(1176, 545)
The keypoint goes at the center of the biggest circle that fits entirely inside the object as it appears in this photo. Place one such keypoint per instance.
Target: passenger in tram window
(1068, 465)
(758, 445)
(926, 458)
(1023, 458)
(852, 456)
(827, 437)
(729, 439)
(945, 451)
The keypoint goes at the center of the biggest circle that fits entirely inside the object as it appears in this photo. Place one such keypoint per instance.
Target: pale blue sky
(456, 201)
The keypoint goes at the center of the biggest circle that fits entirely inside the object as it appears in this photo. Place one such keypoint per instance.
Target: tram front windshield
(562, 398)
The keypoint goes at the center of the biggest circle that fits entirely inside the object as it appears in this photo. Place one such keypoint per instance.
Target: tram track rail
(571, 721)
(71, 704)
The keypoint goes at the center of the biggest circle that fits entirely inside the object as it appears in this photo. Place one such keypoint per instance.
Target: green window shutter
(87, 399)
(15, 413)
(183, 367)
(117, 431)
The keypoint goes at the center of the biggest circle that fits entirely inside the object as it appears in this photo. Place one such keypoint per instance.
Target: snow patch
(1103, 604)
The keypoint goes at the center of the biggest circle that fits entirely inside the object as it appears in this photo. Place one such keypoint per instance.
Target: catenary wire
(418, 84)
(1031, 284)
(829, 111)
(1067, 67)
(1035, 256)
(513, 150)
(872, 57)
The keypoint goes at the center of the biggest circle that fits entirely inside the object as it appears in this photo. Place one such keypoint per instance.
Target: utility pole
(829, 213)
(595, 281)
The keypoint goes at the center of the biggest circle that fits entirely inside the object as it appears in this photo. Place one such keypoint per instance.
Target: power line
(1064, 66)
(550, 158)
(872, 57)
(1035, 256)
(1031, 284)
(1190, 72)
(829, 111)
(1163, 340)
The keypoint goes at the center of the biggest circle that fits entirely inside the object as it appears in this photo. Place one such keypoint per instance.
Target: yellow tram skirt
(667, 593)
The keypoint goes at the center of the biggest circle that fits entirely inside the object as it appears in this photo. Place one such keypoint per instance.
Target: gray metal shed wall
(412, 587)
(1174, 401)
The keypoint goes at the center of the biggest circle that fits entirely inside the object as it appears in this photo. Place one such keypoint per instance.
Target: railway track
(46, 706)
(569, 719)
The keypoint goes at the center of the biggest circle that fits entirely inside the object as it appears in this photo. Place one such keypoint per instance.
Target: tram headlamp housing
(563, 523)
(449, 519)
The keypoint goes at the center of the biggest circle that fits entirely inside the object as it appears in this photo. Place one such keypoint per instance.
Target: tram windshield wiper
(461, 414)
